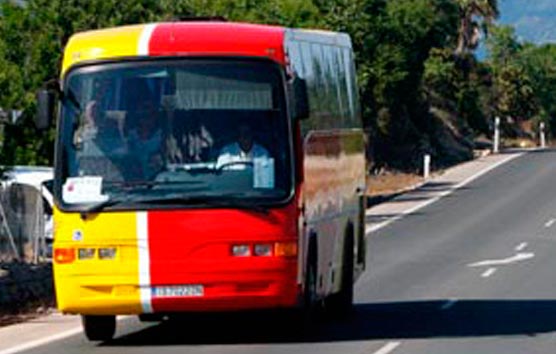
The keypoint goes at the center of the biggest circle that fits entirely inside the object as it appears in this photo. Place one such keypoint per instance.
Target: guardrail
(22, 224)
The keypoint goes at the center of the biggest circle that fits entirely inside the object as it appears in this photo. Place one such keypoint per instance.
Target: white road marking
(488, 272)
(42, 341)
(549, 223)
(441, 195)
(53, 338)
(521, 247)
(448, 304)
(387, 348)
(494, 262)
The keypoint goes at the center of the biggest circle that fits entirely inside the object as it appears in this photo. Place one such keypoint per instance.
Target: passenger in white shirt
(240, 155)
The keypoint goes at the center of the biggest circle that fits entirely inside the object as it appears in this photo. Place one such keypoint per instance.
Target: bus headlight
(263, 250)
(107, 253)
(241, 250)
(86, 253)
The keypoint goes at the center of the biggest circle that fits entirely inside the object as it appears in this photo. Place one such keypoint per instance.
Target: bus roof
(176, 39)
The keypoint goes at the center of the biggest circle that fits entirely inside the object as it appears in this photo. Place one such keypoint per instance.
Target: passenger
(100, 134)
(146, 139)
(199, 143)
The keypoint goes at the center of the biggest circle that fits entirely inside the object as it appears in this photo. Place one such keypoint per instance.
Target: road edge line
(441, 195)
(388, 348)
(39, 342)
(52, 338)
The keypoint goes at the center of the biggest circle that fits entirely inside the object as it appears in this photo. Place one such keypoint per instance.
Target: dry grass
(391, 182)
(28, 313)
(519, 143)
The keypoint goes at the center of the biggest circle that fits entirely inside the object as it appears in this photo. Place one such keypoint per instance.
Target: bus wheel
(339, 305)
(311, 287)
(99, 328)
(310, 297)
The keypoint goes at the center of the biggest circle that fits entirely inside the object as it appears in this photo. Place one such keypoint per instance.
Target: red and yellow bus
(205, 166)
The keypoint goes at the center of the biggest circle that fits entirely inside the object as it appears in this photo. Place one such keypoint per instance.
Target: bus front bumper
(231, 290)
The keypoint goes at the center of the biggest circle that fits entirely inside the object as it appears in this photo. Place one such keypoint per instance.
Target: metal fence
(22, 224)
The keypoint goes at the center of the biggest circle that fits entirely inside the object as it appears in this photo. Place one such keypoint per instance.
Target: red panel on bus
(217, 38)
(193, 247)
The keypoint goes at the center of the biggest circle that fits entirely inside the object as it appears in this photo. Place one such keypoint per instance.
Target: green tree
(421, 86)
(33, 35)
(514, 95)
(502, 45)
(471, 11)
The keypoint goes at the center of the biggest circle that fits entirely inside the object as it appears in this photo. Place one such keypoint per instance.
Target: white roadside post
(542, 134)
(426, 166)
(496, 147)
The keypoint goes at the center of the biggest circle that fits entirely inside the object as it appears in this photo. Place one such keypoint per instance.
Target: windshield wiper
(100, 206)
(211, 202)
(149, 184)
(203, 201)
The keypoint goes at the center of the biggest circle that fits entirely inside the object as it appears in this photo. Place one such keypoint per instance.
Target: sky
(534, 20)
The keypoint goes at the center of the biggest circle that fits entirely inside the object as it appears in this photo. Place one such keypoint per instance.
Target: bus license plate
(178, 291)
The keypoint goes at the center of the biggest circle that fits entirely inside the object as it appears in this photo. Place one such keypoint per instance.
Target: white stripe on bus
(144, 262)
(145, 39)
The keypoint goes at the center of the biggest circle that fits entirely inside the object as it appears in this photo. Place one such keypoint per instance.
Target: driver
(240, 154)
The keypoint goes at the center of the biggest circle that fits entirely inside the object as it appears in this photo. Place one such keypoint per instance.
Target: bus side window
(353, 94)
(342, 86)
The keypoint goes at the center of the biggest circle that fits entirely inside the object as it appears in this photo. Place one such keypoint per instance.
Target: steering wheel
(232, 163)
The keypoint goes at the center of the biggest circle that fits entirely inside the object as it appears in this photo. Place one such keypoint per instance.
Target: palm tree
(471, 11)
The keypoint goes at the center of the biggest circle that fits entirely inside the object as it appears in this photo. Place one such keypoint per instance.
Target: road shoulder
(434, 189)
(24, 336)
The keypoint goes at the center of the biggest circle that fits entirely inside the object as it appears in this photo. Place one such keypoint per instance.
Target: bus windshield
(174, 131)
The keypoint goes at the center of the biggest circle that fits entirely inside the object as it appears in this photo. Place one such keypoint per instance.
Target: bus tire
(99, 328)
(340, 304)
(310, 306)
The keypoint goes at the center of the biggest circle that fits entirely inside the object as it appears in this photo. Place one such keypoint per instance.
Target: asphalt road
(474, 272)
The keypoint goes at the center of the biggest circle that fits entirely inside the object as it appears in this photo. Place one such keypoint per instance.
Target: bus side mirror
(300, 99)
(45, 109)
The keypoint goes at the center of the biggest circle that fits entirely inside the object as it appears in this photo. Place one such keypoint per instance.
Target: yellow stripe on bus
(97, 286)
(102, 44)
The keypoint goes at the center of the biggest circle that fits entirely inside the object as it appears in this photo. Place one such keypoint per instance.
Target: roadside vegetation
(423, 90)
